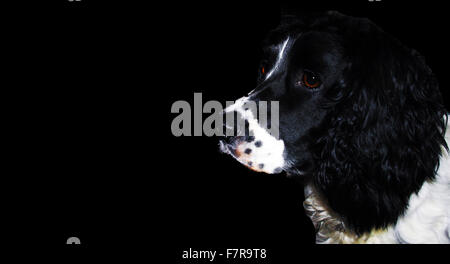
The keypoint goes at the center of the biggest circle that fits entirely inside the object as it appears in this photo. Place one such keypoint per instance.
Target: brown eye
(311, 80)
(263, 70)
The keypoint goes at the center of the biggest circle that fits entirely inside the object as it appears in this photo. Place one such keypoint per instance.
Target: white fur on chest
(427, 219)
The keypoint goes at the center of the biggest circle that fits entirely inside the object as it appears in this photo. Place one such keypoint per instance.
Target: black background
(94, 82)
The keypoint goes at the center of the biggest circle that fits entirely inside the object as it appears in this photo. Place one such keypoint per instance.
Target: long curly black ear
(386, 133)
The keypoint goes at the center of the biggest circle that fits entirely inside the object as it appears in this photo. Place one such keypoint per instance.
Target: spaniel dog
(361, 121)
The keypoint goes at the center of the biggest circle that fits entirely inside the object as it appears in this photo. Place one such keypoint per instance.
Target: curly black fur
(383, 137)
(372, 132)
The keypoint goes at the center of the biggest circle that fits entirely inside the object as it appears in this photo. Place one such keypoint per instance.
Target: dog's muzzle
(257, 149)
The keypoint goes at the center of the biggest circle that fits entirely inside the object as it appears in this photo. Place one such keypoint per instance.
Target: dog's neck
(427, 219)
(330, 229)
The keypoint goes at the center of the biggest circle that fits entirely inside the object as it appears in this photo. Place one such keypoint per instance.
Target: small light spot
(258, 143)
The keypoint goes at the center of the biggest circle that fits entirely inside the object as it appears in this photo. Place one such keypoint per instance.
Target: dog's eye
(262, 70)
(311, 80)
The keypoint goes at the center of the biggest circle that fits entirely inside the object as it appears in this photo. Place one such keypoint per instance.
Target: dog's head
(359, 114)
(303, 66)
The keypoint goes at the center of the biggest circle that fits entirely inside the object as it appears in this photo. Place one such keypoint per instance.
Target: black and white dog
(361, 119)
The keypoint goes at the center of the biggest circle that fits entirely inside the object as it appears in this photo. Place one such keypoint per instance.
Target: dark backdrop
(95, 86)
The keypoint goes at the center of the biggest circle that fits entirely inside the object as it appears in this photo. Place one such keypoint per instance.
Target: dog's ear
(385, 135)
